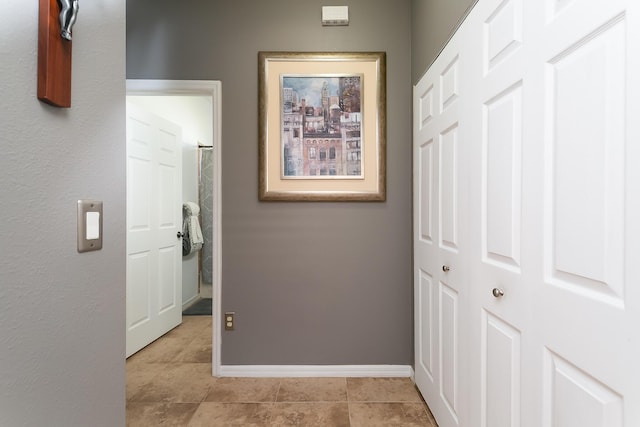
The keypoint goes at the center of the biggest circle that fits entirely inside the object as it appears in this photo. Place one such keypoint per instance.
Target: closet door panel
(586, 197)
(501, 373)
(425, 191)
(440, 277)
(426, 238)
(501, 31)
(449, 191)
(502, 179)
(585, 286)
(448, 301)
(499, 298)
(425, 356)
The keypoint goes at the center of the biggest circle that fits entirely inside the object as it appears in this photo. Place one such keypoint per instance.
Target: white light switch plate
(89, 225)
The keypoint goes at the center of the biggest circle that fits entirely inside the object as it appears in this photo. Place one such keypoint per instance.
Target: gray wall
(311, 283)
(62, 314)
(432, 23)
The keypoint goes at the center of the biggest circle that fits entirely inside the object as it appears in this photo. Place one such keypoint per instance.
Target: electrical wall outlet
(229, 320)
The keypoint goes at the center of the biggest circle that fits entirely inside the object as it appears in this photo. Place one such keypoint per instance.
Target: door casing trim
(213, 89)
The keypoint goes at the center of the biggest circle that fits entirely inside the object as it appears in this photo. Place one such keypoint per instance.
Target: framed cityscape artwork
(322, 126)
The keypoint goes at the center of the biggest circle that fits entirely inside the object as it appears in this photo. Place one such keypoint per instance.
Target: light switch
(93, 225)
(89, 225)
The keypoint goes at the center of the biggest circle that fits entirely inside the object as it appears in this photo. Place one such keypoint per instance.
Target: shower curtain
(206, 212)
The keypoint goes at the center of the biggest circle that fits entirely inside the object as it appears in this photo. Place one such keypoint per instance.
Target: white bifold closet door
(547, 322)
(441, 236)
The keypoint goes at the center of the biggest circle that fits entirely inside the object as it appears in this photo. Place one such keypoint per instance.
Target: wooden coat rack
(54, 58)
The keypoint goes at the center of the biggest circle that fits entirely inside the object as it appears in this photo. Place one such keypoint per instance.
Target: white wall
(193, 114)
(62, 313)
(190, 264)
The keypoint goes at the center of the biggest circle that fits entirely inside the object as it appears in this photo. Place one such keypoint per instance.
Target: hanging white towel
(191, 208)
(193, 232)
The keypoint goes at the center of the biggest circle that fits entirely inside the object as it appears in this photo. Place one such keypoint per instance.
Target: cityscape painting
(321, 126)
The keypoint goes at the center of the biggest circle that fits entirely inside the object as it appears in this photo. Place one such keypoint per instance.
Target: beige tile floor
(169, 383)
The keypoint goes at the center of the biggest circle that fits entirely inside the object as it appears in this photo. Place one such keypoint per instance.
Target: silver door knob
(445, 268)
(497, 292)
(180, 234)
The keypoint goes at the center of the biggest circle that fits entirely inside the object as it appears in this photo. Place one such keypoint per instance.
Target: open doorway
(161, 93)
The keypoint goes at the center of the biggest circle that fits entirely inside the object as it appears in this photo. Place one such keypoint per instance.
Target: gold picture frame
(322, 126)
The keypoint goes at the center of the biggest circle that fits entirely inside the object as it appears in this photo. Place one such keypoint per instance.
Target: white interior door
(585, 292)
(551, 194)
(505, 241)
(549, 95)
(154, 219)
(440, 242)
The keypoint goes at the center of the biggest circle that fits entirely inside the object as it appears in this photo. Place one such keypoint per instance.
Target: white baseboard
(281, 371)
(189, 302)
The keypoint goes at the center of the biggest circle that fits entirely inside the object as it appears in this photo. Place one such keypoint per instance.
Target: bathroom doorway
(195, 105)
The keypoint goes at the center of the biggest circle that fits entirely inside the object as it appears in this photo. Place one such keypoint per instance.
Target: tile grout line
(278, 391)
(346, 386)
